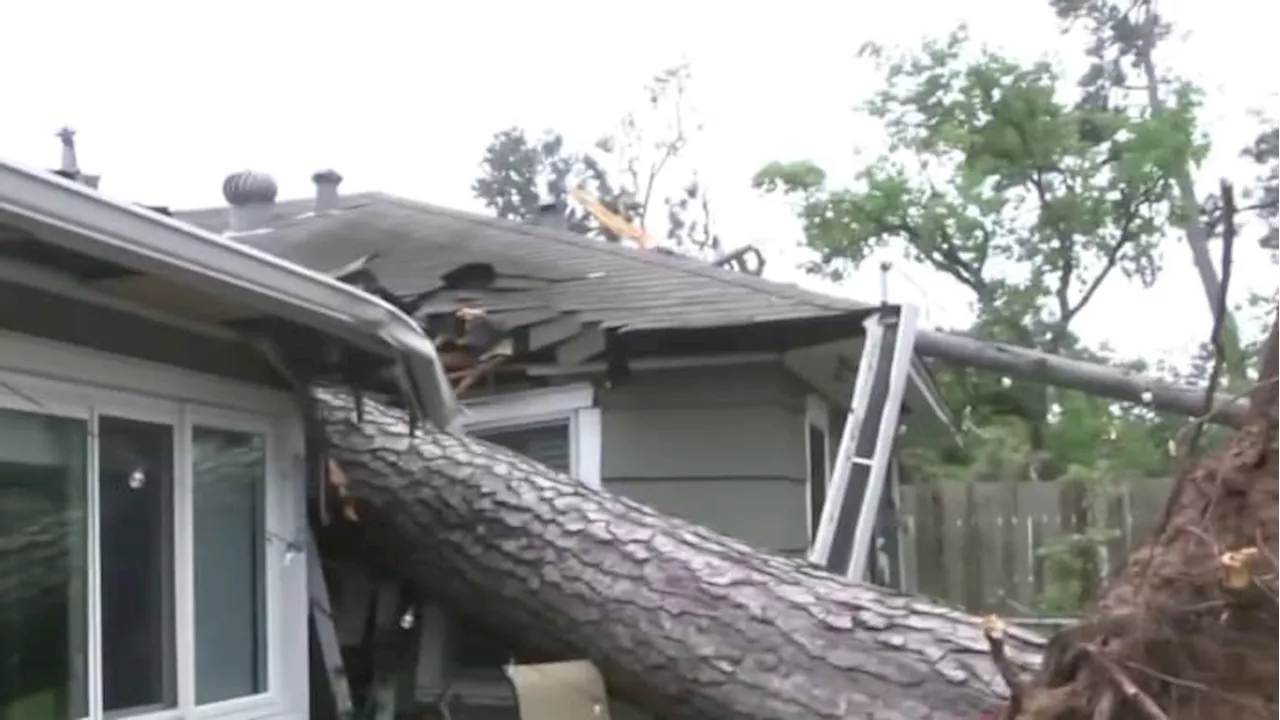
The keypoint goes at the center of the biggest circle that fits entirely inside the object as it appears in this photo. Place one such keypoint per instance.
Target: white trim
(816, 414)
(586, 454)
(571, 404)
(657, 363)
(526, 406)
(84, 384)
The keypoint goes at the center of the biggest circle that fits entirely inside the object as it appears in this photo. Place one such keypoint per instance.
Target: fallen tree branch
(684, 622)
(994, 630)
(1124, 684)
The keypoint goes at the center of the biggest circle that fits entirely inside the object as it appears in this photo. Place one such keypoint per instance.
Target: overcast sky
(169, 97)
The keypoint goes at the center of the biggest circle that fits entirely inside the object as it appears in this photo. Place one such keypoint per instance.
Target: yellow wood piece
(572, 690)
(615, 223)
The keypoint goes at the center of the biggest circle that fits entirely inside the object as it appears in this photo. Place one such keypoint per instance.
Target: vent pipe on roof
(327, 182)
(70, 167)
(551, 215)
(252, 197)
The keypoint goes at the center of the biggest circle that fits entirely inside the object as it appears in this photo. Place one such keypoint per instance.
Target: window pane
(135, 494)
(548, 444)
(817, 475)
(43, 572)
(230, 595)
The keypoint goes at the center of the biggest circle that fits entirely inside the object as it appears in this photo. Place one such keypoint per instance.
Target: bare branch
(1220, 316)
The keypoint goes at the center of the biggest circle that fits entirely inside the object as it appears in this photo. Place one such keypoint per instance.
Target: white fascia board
(85, 221)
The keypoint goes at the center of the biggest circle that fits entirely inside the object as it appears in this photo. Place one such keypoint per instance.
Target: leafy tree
(1124, 38)
(627, 170)
(1029, 199)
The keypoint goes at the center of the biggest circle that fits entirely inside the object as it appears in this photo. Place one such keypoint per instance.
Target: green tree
(629, 170)
(1124, 41)
(1030, 199)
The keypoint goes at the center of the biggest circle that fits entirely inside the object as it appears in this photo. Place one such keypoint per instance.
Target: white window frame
(51, 378)
(817, 414)
(573, 403)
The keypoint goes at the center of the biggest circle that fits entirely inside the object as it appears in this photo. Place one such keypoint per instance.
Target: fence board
(953, 550)
(982, 546)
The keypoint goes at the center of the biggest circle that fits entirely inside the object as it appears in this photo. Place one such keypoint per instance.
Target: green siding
(713, 446)
(765, 512)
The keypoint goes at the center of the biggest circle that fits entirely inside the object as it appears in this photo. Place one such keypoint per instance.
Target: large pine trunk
(682, 621)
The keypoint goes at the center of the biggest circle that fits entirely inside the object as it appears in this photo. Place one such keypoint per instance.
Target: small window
(471, 647)
(560, 428)
(818, 456)
(548, 444)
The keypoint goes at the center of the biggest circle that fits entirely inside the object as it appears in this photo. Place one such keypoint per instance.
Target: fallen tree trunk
(1093, 378)
(682, 621)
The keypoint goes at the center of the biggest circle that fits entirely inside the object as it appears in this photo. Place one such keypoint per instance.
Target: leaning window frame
(50, 378)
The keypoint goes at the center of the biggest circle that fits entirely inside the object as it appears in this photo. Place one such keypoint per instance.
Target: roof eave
(147, 241)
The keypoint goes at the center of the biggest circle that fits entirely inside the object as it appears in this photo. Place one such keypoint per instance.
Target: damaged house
(155, 463)
(705, 393)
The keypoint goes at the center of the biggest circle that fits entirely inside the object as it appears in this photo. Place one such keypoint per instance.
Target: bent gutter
(141, 239)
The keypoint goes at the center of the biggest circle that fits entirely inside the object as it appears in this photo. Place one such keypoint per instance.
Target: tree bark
(682, 621)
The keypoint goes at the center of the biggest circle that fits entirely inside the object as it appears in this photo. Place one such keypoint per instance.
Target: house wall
(56, 317)
(212, 458)
(713, 446)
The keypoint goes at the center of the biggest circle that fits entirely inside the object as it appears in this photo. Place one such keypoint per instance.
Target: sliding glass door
(178, 510)
(44, 572)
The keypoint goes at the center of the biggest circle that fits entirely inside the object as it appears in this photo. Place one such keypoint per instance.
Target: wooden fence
(1015, 547)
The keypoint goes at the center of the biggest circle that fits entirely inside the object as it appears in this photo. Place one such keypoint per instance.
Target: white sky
(169, 97)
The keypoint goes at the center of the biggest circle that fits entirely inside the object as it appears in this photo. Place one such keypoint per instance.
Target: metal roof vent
(251, 195)
(327, 182)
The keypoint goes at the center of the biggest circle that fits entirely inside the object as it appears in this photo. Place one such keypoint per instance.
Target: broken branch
(1125, 684)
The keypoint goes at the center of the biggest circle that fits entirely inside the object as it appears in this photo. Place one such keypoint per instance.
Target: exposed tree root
(1189, 628)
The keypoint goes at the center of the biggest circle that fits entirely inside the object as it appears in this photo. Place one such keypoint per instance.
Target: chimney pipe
(70, 167)
(327, 182)
(551, 215)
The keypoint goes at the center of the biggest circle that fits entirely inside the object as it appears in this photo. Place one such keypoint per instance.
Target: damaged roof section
(557, 292)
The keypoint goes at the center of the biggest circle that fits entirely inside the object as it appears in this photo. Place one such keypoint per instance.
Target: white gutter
(80, 219)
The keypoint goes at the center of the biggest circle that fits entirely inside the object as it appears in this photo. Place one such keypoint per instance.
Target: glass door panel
(43, 567)
(135, 495)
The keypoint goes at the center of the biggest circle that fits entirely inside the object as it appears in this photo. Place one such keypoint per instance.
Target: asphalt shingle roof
(408, 246)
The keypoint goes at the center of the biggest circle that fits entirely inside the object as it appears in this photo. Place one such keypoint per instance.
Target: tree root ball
(1189, 628)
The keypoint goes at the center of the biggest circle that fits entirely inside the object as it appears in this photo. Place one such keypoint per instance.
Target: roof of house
(552, 287)
(48, 223)
(411, 248)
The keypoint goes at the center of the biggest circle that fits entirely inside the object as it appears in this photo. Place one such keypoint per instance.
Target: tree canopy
(638, 171)
(1029, 196)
